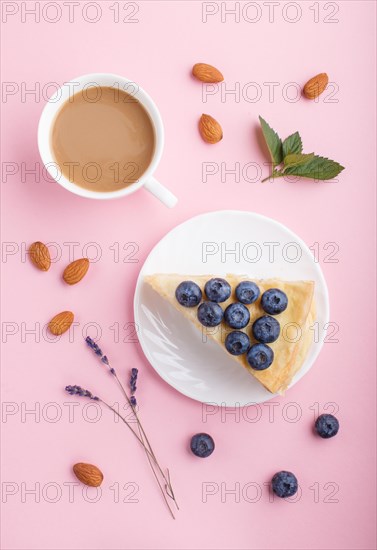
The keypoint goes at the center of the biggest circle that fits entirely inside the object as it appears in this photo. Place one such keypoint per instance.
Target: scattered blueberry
(237, 315)
(237, 342)
(247, 292)
(217, 290)
(327, 425)
(210, 314)
(274, 301)
(260, 356)
(266, 329)
(202, 445)
(188, 294)
(284, 484)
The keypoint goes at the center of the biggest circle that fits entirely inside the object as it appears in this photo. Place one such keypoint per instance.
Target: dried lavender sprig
(132, 402)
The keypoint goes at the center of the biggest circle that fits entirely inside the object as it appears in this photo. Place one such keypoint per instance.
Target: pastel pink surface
(337, 505)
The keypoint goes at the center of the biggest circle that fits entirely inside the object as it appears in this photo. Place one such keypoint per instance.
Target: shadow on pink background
(336, 509)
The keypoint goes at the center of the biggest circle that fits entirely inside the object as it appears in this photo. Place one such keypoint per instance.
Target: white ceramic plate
(219, 243)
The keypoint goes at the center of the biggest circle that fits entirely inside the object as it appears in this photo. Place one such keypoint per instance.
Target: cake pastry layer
(291, 347)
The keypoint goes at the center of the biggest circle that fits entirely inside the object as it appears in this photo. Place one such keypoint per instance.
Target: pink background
(158, 53)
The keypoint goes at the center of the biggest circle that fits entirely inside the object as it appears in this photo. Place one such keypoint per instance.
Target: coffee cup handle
(161, 192)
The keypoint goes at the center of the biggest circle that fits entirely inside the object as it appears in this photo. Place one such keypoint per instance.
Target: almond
(40, 256)
(61, 322)
(88, 474)
(75, 271)
(210, 129)
(315, 86)
(206, 73)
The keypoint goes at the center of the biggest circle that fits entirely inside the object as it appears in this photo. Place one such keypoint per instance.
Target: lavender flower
(133, 379)
(95, 347)
(78, 390)
(164, 482)
(97, 350)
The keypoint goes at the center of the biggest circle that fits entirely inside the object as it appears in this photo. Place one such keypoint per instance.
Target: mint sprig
(289, 160)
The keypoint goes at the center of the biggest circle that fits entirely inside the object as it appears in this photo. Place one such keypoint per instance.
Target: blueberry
(266, 329)
(327, 425)
(274, 301)
(247, 292)
(210, 314)
(202, 445)
(237, 342)
(188, 294)
(217, 290)
(237, 315)
(284, 484)
(260, 356)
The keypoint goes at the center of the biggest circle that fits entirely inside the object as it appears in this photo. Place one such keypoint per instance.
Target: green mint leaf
(273, 141)
(292, 145)
(297, 159)
(318, 168)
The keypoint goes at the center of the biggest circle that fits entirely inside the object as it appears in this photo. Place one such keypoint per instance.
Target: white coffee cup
(112, 80)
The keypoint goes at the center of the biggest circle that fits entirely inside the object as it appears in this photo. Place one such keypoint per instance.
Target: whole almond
(75, 271)
(61, 322)
(210, 129)
(316, 85)
(207, 73)
(88, 474)
(40, 256)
